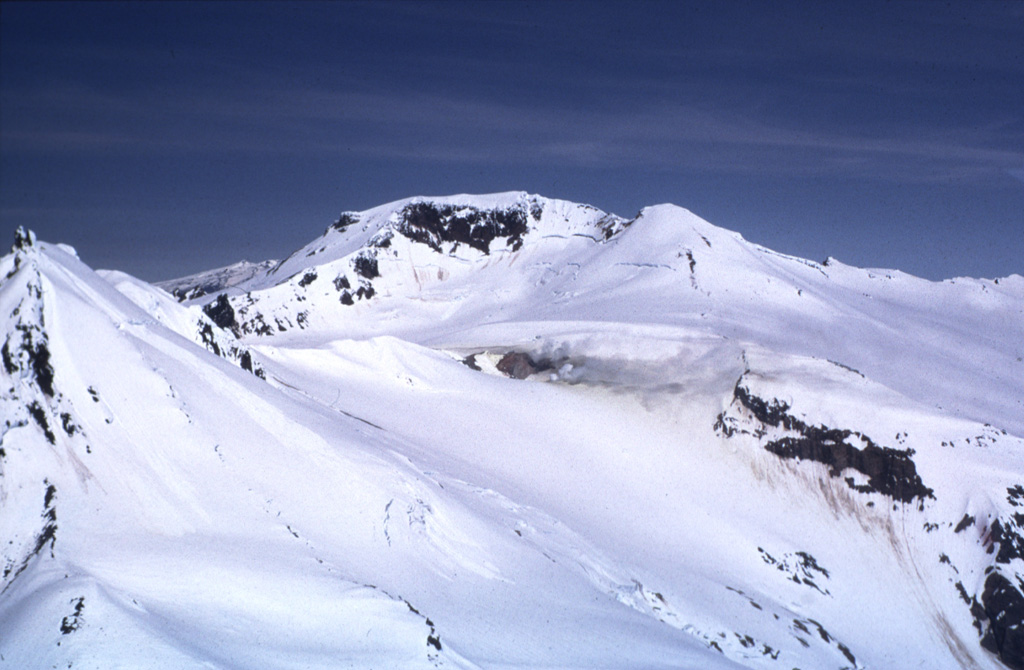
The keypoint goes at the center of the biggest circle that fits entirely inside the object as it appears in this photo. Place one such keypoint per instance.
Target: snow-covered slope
(508, 431)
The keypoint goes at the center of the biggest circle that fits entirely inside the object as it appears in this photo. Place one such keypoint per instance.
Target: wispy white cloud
(434, 127)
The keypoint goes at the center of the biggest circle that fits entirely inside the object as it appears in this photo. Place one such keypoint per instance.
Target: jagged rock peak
(23, 239)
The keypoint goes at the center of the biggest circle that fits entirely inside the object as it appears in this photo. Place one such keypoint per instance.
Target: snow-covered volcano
(508, 431)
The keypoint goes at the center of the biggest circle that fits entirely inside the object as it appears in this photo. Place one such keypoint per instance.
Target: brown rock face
(518, 365)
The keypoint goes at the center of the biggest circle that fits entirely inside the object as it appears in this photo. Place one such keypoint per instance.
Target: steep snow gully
(507, 431)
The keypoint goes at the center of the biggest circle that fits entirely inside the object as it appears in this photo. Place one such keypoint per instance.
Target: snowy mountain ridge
(543, 436)
(401, 269)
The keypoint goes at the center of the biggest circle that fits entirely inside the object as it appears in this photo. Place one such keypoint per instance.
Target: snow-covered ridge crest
(449, 224)
(397, 249)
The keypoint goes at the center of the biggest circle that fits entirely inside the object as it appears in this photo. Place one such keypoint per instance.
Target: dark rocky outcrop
(1003, 604)
(345, 220)
(520, 366)
(73, 621)
(207, 338)
(891, 472)
(365, 265)
(1006, 534)
(26, 347)
(23, 239)
(799, 567)
(611, 225)
(190, 293)
(222, 345)
(47, 536)
(39, 415)
(433, 638)
(221, 312)
(1002, 600)
(435, 224)
(964, 524)
(31, 353)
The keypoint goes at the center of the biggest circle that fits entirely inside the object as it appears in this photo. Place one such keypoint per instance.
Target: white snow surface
(370, 500)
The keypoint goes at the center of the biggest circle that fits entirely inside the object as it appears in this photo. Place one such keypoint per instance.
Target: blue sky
(162, 139)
